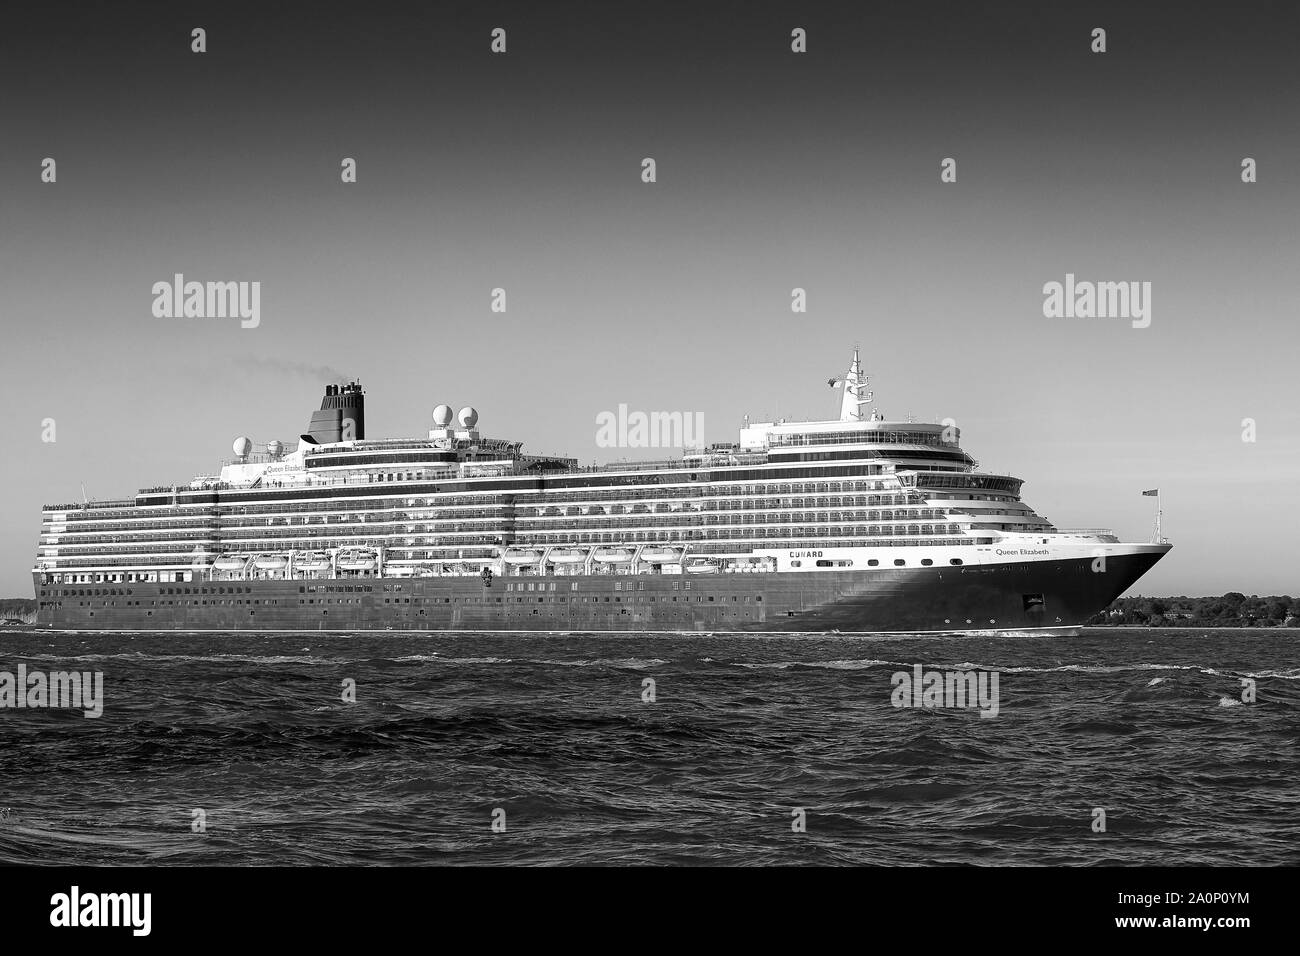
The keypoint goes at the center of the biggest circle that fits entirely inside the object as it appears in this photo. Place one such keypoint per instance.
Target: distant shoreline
(1186, 627)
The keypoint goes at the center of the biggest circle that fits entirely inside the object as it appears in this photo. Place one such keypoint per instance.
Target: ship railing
(712, 460)
(1087, 531)
(864, 436)
(83, 505)
(643, 465)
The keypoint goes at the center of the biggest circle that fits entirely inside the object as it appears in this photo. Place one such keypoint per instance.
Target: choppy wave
(592, 763)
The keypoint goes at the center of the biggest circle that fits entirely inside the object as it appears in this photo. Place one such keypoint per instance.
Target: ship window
(873, 563)
(927, 562)
(954, 560)
(899, 562)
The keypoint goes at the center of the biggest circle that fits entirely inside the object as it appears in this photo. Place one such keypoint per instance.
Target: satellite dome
(243, 445)
(468, 417)
(442, 416)
(275, 449)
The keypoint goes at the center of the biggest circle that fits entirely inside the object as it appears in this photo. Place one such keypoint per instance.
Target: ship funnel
(342, 415)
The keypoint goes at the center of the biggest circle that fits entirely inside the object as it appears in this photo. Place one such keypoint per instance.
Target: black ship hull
(1004, 596)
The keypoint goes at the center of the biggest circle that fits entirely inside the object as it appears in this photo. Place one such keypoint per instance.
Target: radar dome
(243, 445)
(442, 416)
(275, 449)
(468, 417)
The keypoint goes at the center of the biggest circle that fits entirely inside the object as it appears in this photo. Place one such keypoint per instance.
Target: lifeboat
(661, 555)
(229, 562)
(567, 556)
(270, 562)
(356, 561)
(612, 555)
(398, 571)
(701, 567)
(521, 556)
(311, 561)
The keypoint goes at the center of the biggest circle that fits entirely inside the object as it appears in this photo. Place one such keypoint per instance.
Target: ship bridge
(856, 434)
(906, 443)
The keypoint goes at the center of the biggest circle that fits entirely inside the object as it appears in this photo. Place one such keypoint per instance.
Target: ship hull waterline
(1013, 596)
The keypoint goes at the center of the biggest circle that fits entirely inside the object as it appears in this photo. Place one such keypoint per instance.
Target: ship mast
(856, 393)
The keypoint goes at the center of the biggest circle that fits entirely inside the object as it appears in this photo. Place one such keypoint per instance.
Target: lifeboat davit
(270, 562)
(522, 557)
(568, 556)
(228, 562)
(356, 561)
(661, 555)
(612, 555)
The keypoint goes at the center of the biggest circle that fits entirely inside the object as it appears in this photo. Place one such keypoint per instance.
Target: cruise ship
(857, 524)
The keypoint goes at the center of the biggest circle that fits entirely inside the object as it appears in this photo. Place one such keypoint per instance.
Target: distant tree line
(1233, 609)
(21, 609)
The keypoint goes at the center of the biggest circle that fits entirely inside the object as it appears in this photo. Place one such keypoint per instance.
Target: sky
(775, 170)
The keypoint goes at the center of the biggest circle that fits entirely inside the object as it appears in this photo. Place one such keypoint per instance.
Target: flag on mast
(1152, 493)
